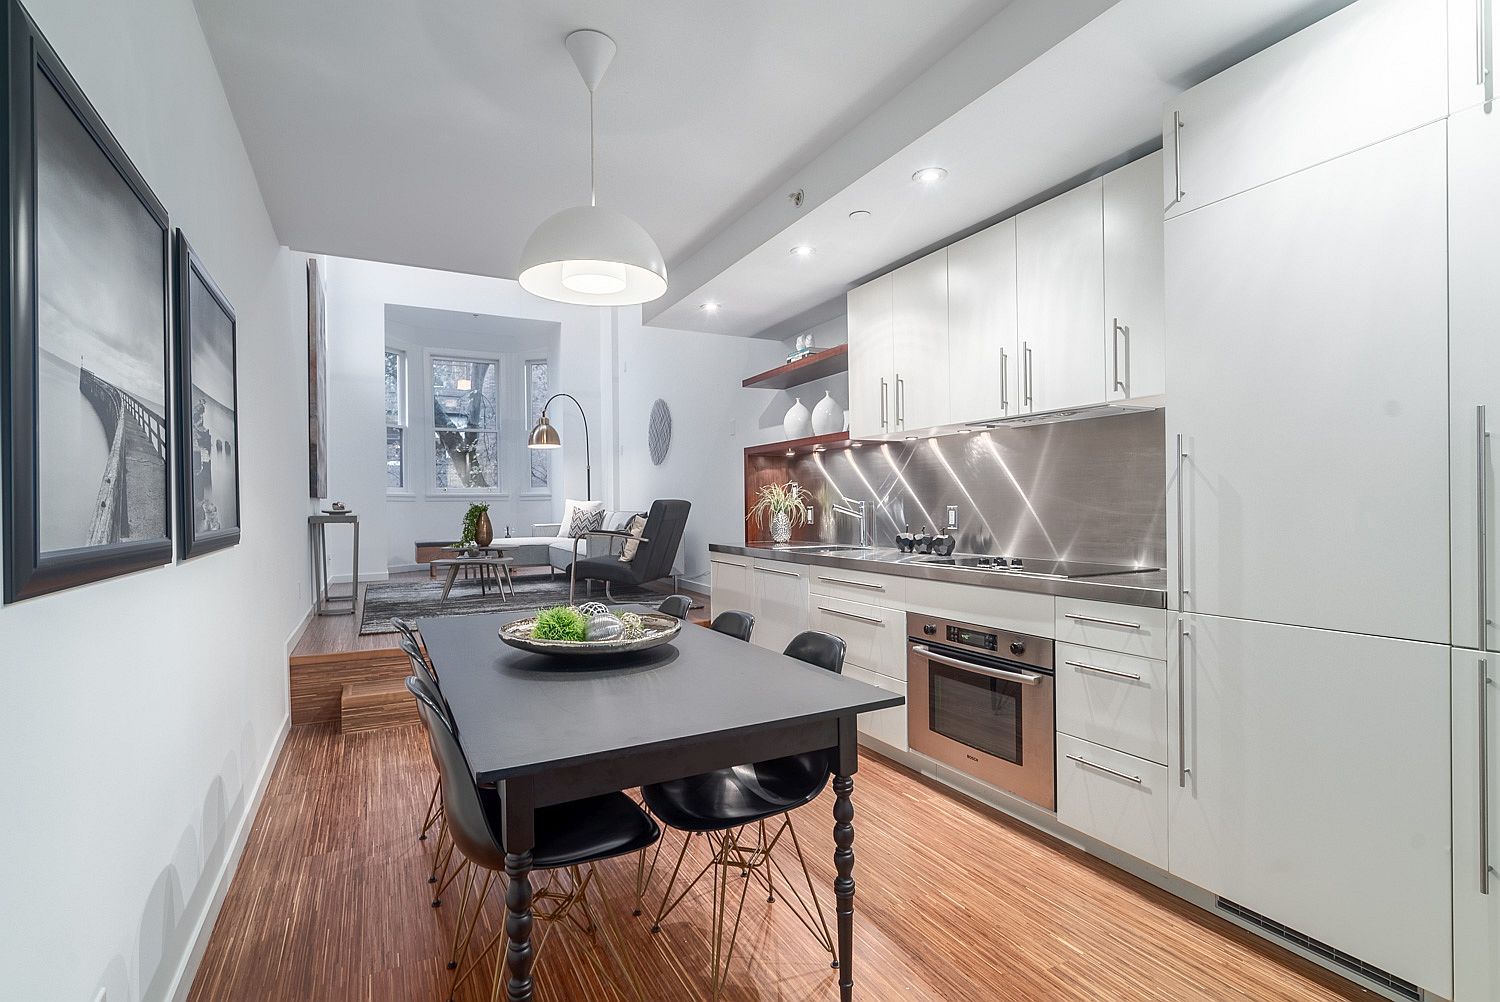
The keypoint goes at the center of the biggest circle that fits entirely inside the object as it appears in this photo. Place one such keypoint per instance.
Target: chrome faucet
(856, 509)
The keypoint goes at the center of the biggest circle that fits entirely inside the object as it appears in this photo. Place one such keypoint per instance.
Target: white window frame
(403, 418)
(531, 493)
(429, 357)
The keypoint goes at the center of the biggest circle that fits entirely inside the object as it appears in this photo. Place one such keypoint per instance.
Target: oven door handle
(1009, 676)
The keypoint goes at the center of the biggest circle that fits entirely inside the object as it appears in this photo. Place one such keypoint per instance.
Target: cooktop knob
(1017, 648)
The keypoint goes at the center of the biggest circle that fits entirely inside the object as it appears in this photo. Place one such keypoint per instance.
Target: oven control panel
(994, 641)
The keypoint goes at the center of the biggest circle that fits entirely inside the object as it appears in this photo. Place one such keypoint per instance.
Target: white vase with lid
(828, 416)
(798, 421)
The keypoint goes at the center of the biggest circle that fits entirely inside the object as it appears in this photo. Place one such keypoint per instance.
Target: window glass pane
(536, 396)
(395, 467)
(466, 460)
(393, 387)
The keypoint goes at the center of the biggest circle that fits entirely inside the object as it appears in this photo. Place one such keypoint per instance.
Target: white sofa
(559, 548)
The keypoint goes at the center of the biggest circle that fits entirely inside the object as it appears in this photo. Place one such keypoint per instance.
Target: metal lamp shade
(544, 436)
(592, 256)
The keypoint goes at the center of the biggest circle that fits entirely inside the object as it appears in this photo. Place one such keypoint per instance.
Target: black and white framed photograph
(208, 442)
(86, 472)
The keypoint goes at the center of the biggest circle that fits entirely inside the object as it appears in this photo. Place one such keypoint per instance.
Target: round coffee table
(486, 564)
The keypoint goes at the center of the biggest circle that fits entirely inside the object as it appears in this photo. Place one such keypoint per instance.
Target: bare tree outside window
(465, 421)
(395, 420)
(536, 397)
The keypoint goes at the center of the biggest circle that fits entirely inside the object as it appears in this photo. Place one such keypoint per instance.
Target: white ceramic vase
(827, 417)
(798, 421)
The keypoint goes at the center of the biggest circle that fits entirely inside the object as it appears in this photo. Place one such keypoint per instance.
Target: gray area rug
(419, 599)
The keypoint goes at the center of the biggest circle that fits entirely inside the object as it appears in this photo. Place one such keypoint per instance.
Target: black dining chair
(442, 849)
(570, 838)
(735, 624)
(723, 803)
(676, 606)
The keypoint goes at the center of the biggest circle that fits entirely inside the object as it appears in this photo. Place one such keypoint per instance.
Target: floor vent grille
(1369, 972)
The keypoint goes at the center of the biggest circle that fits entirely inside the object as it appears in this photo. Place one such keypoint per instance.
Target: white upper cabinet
(919, 310)
(1471, 53)
(982, 369)
(1474, 347)
(1134, 286)
(1366, 73)
(1317, 786)
(1060, 300)
(1307, 336)
(872, 372)
(1476, 795)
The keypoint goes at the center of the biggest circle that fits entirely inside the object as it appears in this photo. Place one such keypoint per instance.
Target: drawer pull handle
(853, 584)
(1103, 622)
(849, 615)
(773, 570)
(727, 563)
(1105, 768)
(1103, 671)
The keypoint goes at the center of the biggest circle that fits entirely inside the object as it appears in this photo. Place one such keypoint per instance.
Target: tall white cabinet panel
(1134, 286)
(1476, 885)
(1474, 347)
(1471, 52)
(919, 308)
(731, 587)
(779, 603)
(1365, 73)
(871, 363)
(1316, 789)
(982, 369)
(1060, 299)
(1307, 338)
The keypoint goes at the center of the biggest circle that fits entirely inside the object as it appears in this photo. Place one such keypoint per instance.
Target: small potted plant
(477, 528)
(787, 506)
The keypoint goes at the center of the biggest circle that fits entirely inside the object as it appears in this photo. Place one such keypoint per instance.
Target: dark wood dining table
(546, 730)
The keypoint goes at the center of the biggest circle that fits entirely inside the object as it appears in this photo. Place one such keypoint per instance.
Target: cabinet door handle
(1026, 373)
(1081, 666)
(849, 615)
(726, 563)
(884, 421)
(778, 572)
(1104, 768)
(900, 402)
(1481, 64)
(1482, 500)
(1484, 777)
(1079, 618)
(1004, 381)
(1182, 591)
(853, 584)
(1182, 766)
(1121, 331)
(1177, 156)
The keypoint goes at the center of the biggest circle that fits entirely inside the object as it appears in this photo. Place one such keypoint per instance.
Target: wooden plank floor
(955, 903)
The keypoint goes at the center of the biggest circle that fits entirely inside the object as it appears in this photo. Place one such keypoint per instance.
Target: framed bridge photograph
(87, 264)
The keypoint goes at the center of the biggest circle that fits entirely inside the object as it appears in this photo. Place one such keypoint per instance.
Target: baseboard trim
(295, 637)
(187, 972)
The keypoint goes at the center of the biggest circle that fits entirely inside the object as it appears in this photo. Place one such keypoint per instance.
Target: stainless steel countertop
(1146, 589)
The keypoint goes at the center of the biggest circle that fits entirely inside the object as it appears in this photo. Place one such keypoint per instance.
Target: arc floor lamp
(544, 436)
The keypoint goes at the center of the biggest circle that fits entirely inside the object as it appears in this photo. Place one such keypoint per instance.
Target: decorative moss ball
(561, 623)
(635, 628)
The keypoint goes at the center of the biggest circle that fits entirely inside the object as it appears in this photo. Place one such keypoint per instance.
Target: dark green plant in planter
(471, 523)
(561, 622)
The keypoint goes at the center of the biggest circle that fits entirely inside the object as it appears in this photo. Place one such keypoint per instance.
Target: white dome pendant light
(588, 255)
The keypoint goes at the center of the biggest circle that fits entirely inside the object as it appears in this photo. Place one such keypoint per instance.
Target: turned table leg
(843, 853)
(519, 836)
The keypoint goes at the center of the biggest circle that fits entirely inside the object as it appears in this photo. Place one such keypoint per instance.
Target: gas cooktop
(1035, 568)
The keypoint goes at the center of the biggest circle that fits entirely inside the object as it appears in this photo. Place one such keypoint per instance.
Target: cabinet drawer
(888, 725)
(1123, 628)
(1118, 799)
(1114, 700)
(859, 586)
(1021, 612)
(876, 637)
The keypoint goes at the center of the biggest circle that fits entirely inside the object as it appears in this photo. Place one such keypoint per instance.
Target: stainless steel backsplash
(1086, 490)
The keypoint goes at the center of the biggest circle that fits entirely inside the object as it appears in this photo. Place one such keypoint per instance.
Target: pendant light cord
(593, 185)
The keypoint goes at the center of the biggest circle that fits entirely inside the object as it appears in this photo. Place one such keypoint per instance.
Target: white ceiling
(441, 134)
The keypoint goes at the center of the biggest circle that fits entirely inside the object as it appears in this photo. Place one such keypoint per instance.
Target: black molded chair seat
(728, 798)
(583, 831)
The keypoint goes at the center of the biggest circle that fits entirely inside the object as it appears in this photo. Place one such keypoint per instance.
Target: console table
(323, 603)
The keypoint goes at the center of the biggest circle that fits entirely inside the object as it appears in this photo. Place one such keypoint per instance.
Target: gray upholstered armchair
(654, 556)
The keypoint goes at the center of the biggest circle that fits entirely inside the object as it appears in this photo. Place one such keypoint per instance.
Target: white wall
(358, 292)
(420, 513)
(141, 711)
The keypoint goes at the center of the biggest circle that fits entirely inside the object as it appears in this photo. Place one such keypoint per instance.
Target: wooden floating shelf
(813, 443)
(828, 362)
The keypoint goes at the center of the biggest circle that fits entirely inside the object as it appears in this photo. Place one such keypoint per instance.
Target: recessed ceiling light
(710, 307)
(802, 250)
(856, 445)
(860, 215)
(911, 438)
(791, 452)
(966, 431)
(929, 175)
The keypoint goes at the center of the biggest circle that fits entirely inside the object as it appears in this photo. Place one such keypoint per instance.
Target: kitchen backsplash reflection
(1086, 490)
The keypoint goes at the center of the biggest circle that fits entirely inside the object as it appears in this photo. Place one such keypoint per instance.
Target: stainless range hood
(1085, 413)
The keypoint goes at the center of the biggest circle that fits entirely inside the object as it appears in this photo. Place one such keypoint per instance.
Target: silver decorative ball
(605, 627)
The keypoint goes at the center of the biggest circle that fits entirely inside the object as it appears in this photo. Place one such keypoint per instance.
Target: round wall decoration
(659, 432)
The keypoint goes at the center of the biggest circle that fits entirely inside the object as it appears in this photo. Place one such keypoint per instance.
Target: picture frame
(317, 383)
(86, 359)
(208, 442)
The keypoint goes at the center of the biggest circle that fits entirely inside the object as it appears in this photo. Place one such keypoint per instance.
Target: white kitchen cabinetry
(919, 325)
(875, 638)
(1060, 300)
(1471, 52)
(872, 372)
(1474, 359)
(730, 583)
(888, 725)
(1113, 700)
(1311, 784)
(1371, 71)
(1118, 799)
(779, 602)
(1476, 884)
(1307, 335)
(1134, 286)
(982, 368)
(1127, 629)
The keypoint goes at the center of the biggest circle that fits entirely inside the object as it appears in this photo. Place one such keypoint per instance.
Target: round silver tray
(660, 629)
